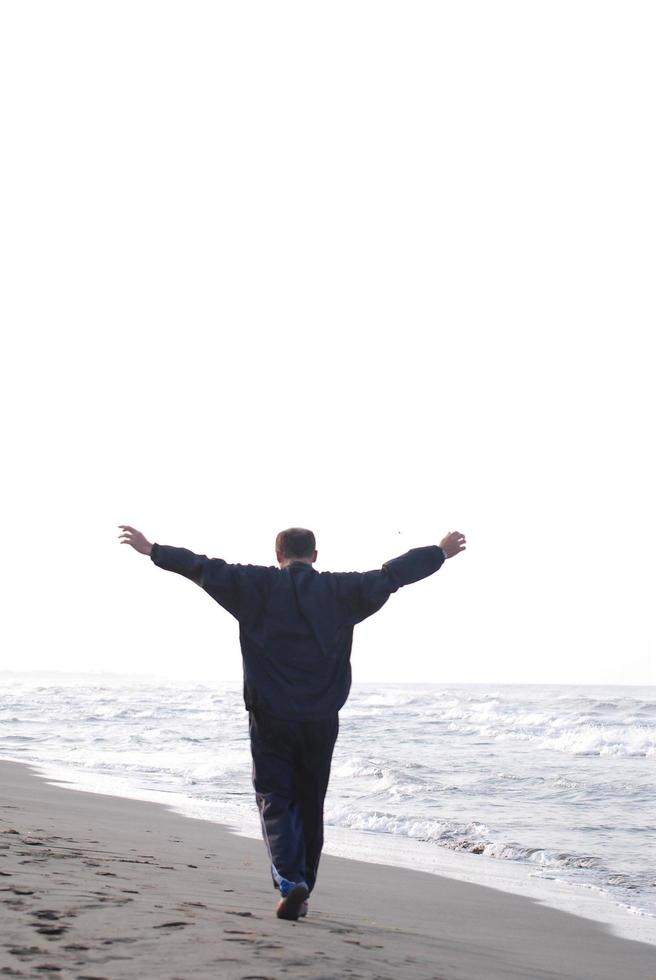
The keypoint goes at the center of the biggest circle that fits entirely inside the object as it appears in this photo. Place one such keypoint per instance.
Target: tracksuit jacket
(296, 624)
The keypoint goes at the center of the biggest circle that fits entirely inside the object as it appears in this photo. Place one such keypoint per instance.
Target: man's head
(295, 544)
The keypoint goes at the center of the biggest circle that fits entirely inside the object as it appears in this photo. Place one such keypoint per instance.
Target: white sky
(380, 269)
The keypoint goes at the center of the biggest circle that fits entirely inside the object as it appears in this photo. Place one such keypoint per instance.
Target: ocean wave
(539, 855)
(576, 735)
(635, 740)
(353, 768)
(419, 828)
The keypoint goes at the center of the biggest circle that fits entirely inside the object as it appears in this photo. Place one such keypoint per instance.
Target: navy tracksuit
(296, 630)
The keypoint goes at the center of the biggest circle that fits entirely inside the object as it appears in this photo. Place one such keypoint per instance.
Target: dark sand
(95, 886)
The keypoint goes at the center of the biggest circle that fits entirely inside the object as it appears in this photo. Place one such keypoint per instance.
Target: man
(296, 630)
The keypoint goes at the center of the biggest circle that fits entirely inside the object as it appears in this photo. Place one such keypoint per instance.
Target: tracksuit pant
(291, 769)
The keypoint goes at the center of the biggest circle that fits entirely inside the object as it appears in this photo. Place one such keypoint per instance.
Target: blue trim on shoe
(285, 885)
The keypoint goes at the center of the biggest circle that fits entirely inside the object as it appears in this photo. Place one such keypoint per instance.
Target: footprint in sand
(51, 932)
(26, 951)
(238, 936)
(170, 925)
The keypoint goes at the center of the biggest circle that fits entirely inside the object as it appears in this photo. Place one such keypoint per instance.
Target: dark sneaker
(290, 907)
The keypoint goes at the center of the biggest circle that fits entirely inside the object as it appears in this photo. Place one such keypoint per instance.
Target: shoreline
(585, 901)
(90, 879)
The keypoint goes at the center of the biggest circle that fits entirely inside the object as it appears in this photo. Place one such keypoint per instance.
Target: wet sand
(99, 887)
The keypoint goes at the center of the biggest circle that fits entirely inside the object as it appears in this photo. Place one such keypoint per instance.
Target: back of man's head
(296, 542)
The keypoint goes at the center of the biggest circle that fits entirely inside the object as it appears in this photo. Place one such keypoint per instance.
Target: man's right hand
(453, 543)
(135, 538)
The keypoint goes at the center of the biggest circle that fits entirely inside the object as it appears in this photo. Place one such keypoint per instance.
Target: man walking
(296, 630)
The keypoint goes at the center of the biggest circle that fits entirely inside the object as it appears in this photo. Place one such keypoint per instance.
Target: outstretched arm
(417, 563)
(204, 571)
(365, 593)
(238, 588)
(179, 560)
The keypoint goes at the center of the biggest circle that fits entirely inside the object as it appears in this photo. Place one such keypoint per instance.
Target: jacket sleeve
(238, 588)
(364, 593)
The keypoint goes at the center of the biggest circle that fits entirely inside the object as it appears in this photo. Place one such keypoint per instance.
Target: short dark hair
(296, 542)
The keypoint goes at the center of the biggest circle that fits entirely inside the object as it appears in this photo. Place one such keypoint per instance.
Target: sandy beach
(97, 886)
